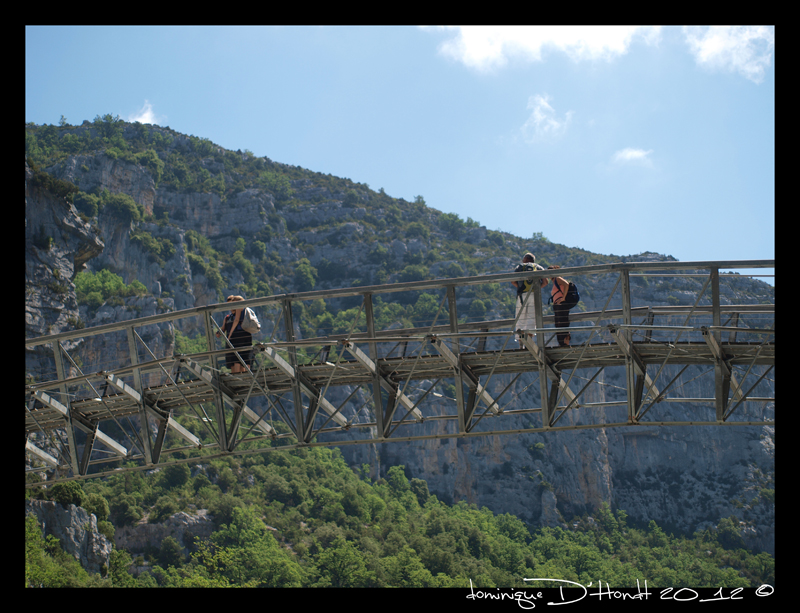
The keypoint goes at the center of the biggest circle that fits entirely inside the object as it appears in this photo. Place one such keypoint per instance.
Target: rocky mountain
(198, 223)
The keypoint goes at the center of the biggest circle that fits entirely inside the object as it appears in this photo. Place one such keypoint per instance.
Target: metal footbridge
(452, 378)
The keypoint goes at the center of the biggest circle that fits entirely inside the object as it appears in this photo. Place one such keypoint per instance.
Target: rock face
(76, 529)
(181, 526)
(57, 246)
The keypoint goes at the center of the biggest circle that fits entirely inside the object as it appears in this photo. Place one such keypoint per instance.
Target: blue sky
(615, 140)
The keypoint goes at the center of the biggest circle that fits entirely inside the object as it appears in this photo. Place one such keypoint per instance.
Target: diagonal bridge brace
(395, 395)
(165, 421)
(73, 419)
(228, 397)
(308, 388)
(553, 374)
(466, 375)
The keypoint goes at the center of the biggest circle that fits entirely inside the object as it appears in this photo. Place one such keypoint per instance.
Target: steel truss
(81, 425)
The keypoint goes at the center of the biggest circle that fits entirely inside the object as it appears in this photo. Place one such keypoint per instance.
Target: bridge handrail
(415, 334)
(397, 287)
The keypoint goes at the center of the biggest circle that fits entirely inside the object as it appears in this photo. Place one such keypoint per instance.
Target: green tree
(96, 504)
(416, 229)
(118, 566)
(95, 288)
(276, 184)
(88, 204)
(125, 510)
(121, 206)
(170, 553)
(305, 275)
(477, 309)
(250, 553)
(150, 160)
(342, 565)
(396, 477)
(165, 507)
(451, 224)
(425, 309)
(413, 272)
(67, 493)
(109, 125)
(729, 534)
(419, 488)
(405, 569)
(175, 475)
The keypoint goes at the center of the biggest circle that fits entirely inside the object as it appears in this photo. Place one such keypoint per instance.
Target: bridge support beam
(465, 375)
(464, 411)
(307, 388)
(147, 443)
(218, 402)
(395, 395)
(552, 374)
(722, 375)
(638, 374)
(377, 397)
(42, 455)
(73, 448)
(228, 396)
(547, 412)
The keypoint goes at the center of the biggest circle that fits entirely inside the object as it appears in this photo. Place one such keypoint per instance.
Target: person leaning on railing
(525, 311)
(561, 308)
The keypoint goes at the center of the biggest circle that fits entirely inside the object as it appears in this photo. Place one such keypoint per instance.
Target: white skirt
(526, 316)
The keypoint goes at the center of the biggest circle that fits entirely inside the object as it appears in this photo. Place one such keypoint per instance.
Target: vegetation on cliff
(304, 518)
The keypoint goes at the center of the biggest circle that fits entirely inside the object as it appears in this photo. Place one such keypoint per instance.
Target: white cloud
(629, 155)
(146, 115)
(743, 49)
(543, 124)
(746, 50)
(487, 47)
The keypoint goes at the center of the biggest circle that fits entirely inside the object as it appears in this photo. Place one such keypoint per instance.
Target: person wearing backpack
(239, 326)
(525, 311)
(564, 296)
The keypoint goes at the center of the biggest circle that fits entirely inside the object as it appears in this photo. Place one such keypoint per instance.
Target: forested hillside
(304, 518)
(126, 220)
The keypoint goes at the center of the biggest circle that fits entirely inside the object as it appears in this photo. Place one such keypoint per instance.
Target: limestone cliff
(76, 530)
(183, 527)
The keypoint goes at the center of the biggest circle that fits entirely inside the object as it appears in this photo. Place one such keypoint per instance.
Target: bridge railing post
(218, 402)
(377, 396)
(627, 320)
(454, 347)
(60, 373)
(540, 343)
(137, 384)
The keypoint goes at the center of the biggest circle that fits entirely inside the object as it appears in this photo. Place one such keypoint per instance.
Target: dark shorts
(240, 338)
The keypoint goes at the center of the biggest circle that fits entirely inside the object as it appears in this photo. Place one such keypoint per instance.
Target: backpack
(572, 298)
(527, 283)
(250, 323)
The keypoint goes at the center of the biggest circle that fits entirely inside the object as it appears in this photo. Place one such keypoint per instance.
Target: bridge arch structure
(374, 384)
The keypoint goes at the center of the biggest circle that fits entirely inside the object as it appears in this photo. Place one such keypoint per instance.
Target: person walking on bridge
(561, 306)
(238, 336)
(525, 311)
